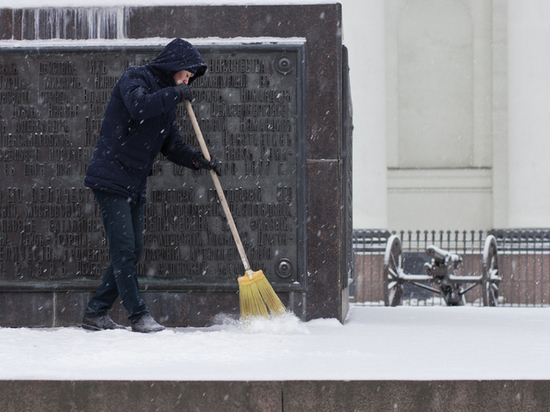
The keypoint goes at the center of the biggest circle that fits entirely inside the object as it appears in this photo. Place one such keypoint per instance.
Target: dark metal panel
(251, 109)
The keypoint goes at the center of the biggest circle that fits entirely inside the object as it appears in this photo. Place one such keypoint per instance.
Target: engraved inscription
(247, 106)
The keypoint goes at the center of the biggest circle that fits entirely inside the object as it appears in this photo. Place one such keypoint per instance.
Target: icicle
(88, 23)
(58, 20)
(36, 24)
(121, 23)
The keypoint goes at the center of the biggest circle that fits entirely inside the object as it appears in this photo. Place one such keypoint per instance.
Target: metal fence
(523, 264)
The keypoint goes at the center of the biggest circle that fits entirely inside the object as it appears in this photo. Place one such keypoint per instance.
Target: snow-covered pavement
(404, 343)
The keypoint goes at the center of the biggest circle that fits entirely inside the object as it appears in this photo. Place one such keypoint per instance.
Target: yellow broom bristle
(273, 302)
(257, 297)
(252, 304)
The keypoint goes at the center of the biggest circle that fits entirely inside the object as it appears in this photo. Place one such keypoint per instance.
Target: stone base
(172, 309)
(55, 309)
(272, 396)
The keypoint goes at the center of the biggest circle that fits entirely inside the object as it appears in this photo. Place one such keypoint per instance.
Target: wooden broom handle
(219, 190)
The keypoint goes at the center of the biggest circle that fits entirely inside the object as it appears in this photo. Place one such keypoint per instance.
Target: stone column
(529, 113)
(365, 38)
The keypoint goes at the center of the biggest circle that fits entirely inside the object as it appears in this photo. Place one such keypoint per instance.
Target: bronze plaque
(250, 110)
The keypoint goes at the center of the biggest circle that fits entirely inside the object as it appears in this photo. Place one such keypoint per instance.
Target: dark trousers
(123, 223)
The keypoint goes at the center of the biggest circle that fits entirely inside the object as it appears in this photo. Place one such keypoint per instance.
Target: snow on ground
(405, 343)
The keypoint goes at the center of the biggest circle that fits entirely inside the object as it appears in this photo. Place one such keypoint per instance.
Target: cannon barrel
(439, 255)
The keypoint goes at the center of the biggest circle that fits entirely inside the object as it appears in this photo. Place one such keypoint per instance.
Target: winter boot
(99, 323)
(146, 324)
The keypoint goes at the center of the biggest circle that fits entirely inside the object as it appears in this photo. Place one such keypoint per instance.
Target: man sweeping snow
(139, 123)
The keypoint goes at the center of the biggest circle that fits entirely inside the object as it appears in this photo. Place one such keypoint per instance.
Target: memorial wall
(253, 109)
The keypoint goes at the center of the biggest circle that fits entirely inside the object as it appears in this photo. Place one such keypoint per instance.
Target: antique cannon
(441, 275)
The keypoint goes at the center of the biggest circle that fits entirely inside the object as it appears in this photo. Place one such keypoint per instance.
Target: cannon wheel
(490, 277)
(393, 267)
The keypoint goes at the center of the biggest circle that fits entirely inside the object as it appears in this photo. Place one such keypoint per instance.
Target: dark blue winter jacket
(140, 122)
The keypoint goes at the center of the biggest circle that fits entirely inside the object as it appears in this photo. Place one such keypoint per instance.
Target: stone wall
(272, 396)
(296, 227)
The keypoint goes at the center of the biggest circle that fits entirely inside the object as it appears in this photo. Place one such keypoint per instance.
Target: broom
(257, 297)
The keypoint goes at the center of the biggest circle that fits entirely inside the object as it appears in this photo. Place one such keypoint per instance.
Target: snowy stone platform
(381, 359)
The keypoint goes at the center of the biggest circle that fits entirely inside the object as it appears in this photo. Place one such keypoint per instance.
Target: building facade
(451, 102)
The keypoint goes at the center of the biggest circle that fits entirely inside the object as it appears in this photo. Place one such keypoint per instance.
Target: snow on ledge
(31, 4)
(151, 41)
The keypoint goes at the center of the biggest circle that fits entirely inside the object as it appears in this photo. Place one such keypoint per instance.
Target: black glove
(200, 162)
(184, 92)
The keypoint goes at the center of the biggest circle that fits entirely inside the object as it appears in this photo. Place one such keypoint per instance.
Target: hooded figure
(139, 123)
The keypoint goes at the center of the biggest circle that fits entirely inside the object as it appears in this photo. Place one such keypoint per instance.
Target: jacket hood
(178, 55)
